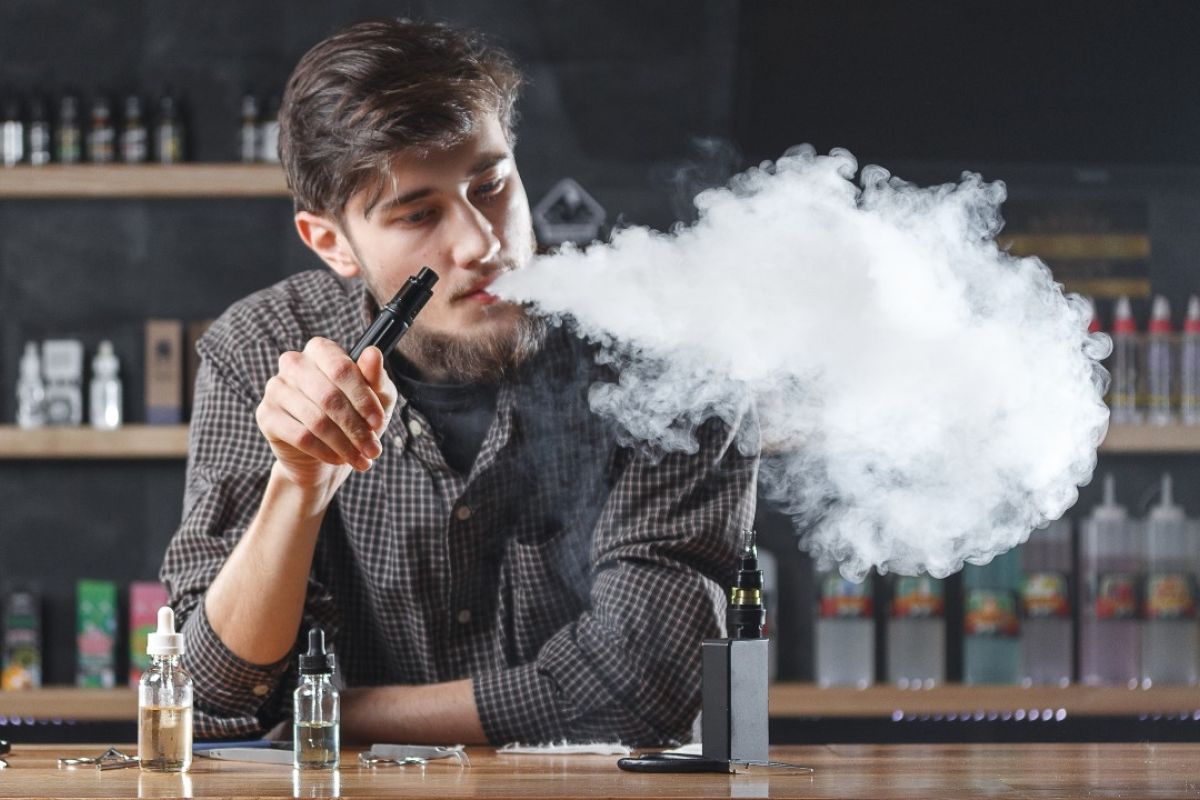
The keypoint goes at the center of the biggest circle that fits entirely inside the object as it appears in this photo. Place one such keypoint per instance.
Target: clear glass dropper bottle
(316, 709)
(165, 702)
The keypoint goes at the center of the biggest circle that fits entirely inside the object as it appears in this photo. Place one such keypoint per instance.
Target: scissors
(112, 758)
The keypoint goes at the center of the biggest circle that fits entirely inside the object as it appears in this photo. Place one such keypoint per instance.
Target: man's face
(463, 212)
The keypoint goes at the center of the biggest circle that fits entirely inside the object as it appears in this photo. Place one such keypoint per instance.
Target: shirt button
(464, 616)
(396, 440)
(462, 513)
(415, 428)
(261, 689)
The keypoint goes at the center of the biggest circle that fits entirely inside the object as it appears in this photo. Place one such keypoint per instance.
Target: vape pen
(397, 316)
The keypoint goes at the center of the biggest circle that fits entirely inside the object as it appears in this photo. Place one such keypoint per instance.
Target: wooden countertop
(929, 772)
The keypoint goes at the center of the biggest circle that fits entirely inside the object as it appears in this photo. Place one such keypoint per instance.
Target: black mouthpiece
(316, 661)
(395, 318)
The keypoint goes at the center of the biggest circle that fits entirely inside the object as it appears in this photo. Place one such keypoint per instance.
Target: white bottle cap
(1123, 310)
(31, 362)
(1160, 311)
(1166, 510)
(165, 641)
(1193, 311)
(1109, 510)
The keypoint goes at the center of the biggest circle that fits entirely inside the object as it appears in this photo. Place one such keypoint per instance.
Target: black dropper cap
(316, 661)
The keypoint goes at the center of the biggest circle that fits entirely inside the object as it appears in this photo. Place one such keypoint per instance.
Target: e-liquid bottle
(31, 389)
(1124, 365)
(39, 132)
(916, 634)
(845, 631)
(1158, 363)
(1110, 633)
(134, 146)
(1169, 646)
(1046, 605)
(165, 702)
(991, 627)
(316, 707)
(101, 137)
(12, 133)
(68, 143)
(268, 137)
(105, 404)
(1189, 365)
(168, 133)
(248, 134)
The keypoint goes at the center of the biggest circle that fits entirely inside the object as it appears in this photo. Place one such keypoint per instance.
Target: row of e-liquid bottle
(1137, 614)
(30, 134)
(165, 700)
(258, 136)
(1155, 377)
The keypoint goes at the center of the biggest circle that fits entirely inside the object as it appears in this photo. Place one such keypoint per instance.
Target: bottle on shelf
(12, 133)
(1110, 642)
(165, 702)
(845, 631)
(68, 140)
(1047, 633)
(105, 406)
(134, 144)
(268, 138)
(1158, 363)
(101, 137)
(39, 132)
(316, 709)
(1189, 365)
(1169, 643)
(168, 132)
(31, 389)
(248, 146)
(1124, 365)
(916, 634)
(991, 627)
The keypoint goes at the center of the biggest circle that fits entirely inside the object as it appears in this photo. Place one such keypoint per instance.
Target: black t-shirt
(459, 413)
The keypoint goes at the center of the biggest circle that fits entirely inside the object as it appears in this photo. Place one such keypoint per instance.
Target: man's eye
(418, 217)
(490, 188)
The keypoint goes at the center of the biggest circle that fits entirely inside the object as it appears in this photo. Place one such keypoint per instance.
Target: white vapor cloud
(930, 399)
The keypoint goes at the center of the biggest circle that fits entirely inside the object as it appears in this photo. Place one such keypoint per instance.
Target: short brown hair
(379, 88)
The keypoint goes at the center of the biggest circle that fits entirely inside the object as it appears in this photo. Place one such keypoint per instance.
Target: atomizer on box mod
(316, 709)
(734, 677)
(165, 702)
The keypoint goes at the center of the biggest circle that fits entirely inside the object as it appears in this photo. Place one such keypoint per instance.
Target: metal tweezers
(112, 758)
(403, 755)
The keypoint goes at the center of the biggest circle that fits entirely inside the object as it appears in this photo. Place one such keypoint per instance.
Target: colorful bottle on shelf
(101, 138)
(991, 625)
(1047, 632)
(845, 631)
(1189, 365)
(1110, 643)
(1124, 387)
(1159, 364)
(1169, 644)
(916, 635)
(39, 132)
(135, 147)
(12, 133)
(68, 138)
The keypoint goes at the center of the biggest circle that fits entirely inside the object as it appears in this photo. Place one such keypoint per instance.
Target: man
(488, 562)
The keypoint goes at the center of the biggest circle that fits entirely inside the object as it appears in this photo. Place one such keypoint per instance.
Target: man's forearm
(437, 713)
(256, 602)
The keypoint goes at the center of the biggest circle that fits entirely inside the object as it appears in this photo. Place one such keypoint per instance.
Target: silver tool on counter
(259, 755)
(388, 755)
(112, 758)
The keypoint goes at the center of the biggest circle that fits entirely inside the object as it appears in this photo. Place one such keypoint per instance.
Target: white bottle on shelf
(31, 391)
(845, 631)
(1158, 363)
(1169, 645)
(1046, 605)
(1123, 391)
(1189, 365)
(105, 395)
(1110, 643)
(916, 634)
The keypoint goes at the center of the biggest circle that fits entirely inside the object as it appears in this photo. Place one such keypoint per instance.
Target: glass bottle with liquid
(316, 709)
(1189, 365)
(1159, 364)
(1169, 645)
(916, 635)
(1046, 605)
(165, 702)
(1110, 632)
(1123, 366)
(991, 627)
(845, 631)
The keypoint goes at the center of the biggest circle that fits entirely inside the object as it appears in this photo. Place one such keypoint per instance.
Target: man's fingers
(320, 436)
(370, 363)
(333, 382)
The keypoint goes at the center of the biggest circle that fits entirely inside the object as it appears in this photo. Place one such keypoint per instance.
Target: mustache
(481, 280)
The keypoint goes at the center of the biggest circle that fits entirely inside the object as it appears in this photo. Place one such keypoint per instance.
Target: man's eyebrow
(482, 165)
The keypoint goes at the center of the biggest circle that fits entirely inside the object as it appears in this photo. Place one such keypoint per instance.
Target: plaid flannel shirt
(571, 578)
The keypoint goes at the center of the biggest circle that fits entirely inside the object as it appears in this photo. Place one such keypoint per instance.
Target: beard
(479, 358)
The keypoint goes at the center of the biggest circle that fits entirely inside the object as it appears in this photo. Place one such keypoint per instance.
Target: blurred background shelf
(127, 442)
(788, 700)
(142, 180)
(1180, 439)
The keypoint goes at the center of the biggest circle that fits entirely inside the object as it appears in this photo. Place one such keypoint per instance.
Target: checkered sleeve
(229, 463)
(664, 549)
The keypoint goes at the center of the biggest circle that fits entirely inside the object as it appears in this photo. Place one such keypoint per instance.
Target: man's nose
(475, 242)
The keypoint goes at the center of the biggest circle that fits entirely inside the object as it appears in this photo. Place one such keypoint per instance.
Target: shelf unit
(788, 700)
(127, 442)
(57, 181)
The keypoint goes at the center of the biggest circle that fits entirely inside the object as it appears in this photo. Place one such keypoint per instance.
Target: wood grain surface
(928, 772)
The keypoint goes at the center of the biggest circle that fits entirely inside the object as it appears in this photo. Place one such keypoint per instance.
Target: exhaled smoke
(930, 398)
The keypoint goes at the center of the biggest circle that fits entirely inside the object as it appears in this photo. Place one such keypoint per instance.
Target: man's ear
(326, 239)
